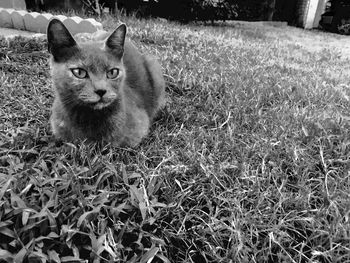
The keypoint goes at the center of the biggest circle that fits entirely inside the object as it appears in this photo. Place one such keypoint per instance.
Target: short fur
(123, 114)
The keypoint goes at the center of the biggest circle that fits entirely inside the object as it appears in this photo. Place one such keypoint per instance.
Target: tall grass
(248, 162)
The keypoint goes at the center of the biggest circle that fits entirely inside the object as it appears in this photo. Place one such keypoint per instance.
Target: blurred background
(330, 15)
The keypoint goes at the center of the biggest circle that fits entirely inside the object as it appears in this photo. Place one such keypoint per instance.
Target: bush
(197, 10)
(182, 10)
(249, 9)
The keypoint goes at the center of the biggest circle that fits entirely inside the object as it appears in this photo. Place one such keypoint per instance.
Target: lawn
(248, 161)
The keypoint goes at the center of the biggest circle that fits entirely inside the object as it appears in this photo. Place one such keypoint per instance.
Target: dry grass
(248, 162)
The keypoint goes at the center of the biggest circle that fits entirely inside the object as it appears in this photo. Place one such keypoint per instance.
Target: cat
(105, 89)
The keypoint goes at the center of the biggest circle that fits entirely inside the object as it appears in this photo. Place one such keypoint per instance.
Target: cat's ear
(116, 40)
(61, 44)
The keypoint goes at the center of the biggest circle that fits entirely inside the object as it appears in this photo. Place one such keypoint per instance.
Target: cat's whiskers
(69, 100)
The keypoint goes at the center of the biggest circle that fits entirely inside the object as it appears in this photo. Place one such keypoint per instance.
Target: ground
(247, 162)
(311, 40)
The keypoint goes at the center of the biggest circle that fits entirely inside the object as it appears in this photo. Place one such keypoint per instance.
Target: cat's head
(86, 72)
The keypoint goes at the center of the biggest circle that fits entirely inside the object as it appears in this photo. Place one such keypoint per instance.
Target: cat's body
(106, 90)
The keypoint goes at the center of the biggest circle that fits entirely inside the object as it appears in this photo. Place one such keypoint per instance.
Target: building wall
(303, 6)
(321, 8)
(309, 13)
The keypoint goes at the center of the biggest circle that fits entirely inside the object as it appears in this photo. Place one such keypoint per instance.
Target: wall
(309, 13)
(16, 4)
(320, 10)
(302, 8)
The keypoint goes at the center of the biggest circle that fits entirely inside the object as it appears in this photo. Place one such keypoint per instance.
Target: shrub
(194, 10)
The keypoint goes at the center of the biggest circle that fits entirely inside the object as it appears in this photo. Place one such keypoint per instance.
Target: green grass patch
(248, 162)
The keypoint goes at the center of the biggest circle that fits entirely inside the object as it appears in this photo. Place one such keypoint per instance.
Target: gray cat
(105, 89)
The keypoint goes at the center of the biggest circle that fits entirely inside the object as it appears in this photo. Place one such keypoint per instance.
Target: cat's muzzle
(103, 102)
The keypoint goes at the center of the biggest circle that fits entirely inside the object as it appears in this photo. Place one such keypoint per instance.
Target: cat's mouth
(100, 104)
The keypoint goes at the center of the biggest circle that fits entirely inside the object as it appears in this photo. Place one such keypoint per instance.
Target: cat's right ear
(61, 44)
(115, 42)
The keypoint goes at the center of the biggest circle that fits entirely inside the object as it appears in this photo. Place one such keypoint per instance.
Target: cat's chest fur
(105, 90)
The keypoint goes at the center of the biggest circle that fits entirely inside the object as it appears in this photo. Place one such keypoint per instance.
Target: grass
(248, 162)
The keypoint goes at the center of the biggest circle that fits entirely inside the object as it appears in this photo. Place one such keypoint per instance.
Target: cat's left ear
(116, 40)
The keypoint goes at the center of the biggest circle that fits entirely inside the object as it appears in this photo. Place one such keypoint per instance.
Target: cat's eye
(113, 73)
(79, 73)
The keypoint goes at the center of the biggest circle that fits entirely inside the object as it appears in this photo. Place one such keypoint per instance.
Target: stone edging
(37, 22)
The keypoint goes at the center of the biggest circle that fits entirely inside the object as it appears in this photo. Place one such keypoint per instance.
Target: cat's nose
(100, 92)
